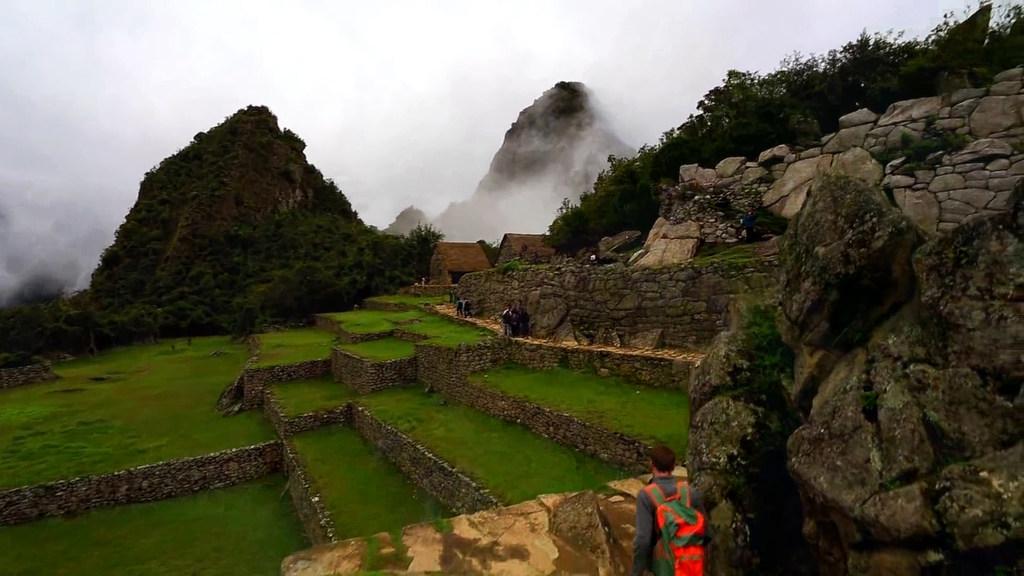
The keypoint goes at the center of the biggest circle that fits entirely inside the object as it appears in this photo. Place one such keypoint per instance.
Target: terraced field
(436, 329)
(512, 462)
(245, 529)
(293, 346)
(653, 415)
(304, 396)
(382, 349)
(125, 407)
(364, 493)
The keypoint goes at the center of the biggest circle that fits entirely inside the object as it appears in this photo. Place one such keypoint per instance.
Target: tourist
(747, 222)
(467, 308)
(524, 323)
(506, 320)
(459, 306)
(675, 500)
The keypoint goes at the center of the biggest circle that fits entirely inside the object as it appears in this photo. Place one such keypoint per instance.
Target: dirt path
(493, 325)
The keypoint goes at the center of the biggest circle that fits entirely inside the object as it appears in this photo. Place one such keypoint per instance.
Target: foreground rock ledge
(570, 533)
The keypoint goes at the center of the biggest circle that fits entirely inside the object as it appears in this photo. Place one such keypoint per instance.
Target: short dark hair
(663, 458)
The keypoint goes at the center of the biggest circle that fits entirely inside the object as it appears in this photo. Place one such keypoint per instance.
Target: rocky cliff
(554, 150)
(907, 390)
(406, 221)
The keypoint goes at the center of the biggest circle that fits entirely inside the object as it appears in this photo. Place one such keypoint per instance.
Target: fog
(401, 103)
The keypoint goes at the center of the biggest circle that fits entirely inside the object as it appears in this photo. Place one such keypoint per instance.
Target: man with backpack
(670, 531)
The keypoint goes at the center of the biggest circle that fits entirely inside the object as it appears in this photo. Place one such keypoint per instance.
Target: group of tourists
(463, 308)
(515, 321)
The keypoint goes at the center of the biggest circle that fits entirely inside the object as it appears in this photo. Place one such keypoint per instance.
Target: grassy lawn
(292, 346)
(125, 407)
(304, 396)
(245, 529)
(364, 493)
(510, 460)
(382, 349)
(409, 299)
(653, 415)
(437, 329)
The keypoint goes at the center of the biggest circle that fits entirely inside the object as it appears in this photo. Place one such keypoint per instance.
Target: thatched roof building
(453, 259)
(524, 247)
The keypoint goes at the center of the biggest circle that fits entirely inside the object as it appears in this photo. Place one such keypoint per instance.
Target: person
(467, 308)
(506, 320)
(514, 320)
(593, 259)
(747, 222)
(664, 504)
(524, 323)
(459, 306)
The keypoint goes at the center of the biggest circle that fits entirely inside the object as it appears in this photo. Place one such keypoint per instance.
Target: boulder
(788, 193)
(920, 206)
(982, 501)
(846, 263)
(858, 163)
(996, 114)
(910, 110)
(847, 138)
(1009, 75)
(857, 117)
(668, 252)
(730, 166)
(693, 174)
(982, 149)
(774, 155)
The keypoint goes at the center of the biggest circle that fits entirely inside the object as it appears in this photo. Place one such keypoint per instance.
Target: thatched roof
(526, 246)
(462, 256)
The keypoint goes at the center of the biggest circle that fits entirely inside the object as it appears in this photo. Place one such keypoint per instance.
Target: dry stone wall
(141, 484)
(427, 289)
(565, 429)
(680, 307)
(22, 375)
(288, 426)
(949, 159)
(256, 379)
(650, 371)
(451, 487)
(308, 502)
(366, 376)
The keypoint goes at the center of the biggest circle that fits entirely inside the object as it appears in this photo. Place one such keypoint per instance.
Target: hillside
(554, 150)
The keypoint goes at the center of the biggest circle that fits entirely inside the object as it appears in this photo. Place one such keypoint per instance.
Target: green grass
(364, 493)
(293, 346)
(653, 415)
(509, 460)
(738, 254)
(125, 407)
(437, 329)
(304, 396)
(409, 299)
(245, 529)
(382, 349)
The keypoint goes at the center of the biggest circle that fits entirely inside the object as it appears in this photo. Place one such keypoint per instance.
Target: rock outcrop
(406, 221)
(908, 370)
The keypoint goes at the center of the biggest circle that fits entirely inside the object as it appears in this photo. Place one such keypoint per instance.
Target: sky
(399, 102)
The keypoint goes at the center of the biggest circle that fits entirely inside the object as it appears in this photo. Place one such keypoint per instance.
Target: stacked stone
(22, 375)
(947, 189)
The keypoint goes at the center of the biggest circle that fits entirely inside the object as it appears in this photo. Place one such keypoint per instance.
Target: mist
(401, 103)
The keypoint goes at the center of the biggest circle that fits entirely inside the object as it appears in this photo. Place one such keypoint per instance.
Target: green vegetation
(245, 529)
(796, 104)
(509, 460)
(304, 396)
(382, 349)
(364, 493)
(728, 254)
(208, 249)
(123, 408)
(409, 299)
(293, 346)
(653, 415)
(438, 330)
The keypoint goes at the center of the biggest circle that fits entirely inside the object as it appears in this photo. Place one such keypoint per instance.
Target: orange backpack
(681, 550)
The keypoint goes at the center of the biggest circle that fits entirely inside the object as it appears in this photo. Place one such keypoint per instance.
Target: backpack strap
(655, 494)
(683, 488)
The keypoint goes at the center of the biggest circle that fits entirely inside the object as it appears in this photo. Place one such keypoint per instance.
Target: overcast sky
(399, 102)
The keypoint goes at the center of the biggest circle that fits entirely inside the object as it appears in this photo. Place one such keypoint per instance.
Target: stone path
(493, 325)
(570, 533)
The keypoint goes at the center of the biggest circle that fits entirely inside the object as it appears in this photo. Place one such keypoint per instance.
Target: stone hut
(524, 247)
(453, 259)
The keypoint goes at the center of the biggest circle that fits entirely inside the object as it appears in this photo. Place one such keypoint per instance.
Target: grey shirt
(646, 528)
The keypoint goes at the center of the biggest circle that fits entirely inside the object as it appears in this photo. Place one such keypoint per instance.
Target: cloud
(402, 103)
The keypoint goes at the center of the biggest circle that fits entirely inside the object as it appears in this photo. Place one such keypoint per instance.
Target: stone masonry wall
(308, 502)
(288, 426)
(256, 379)
(451, 487)
(680, 307)
(141, 484)
(325, 323)
(949, 158)
(646, 370)
(365, 376)
(22, 375)
(565, 429)
(427, 290)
